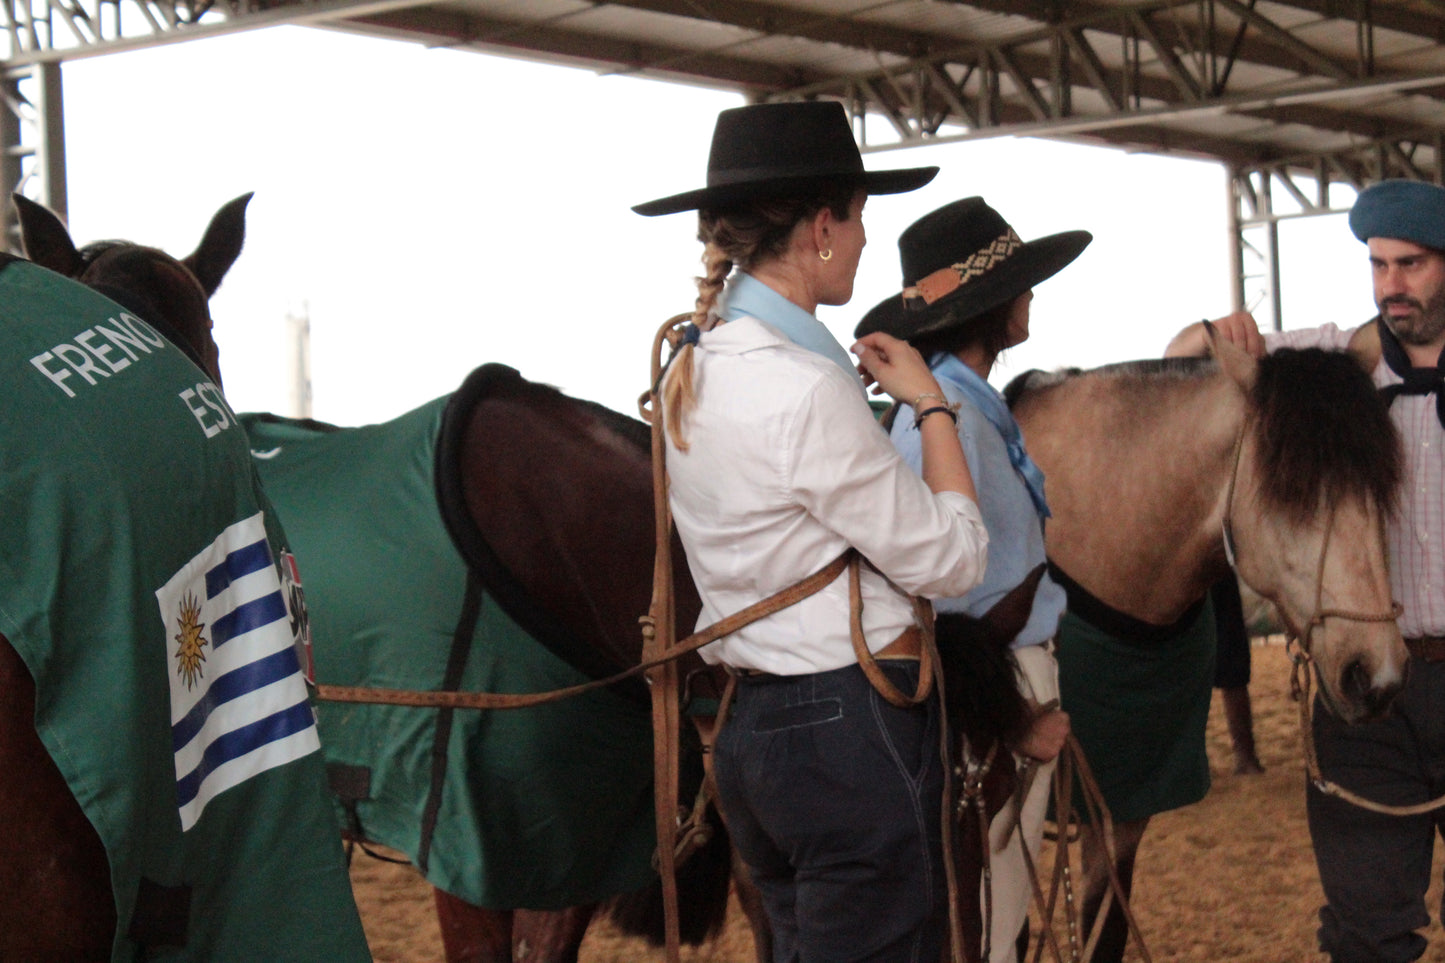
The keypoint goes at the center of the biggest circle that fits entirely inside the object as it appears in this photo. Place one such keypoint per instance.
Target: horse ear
(221, 244)
(45, 238)
(1240, 365)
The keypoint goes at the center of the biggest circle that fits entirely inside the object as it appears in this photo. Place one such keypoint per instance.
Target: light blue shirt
(746, 296)
(1015, 531)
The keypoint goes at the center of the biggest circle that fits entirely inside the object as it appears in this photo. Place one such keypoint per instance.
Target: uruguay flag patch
(238, 702)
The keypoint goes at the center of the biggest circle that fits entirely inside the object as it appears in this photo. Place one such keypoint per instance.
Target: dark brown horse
(56, 898)
(58, 863)
(519, 512)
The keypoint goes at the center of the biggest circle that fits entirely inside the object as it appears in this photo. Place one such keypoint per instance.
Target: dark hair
(988, 329)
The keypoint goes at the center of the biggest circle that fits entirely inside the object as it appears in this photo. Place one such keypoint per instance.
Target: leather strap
(505, 700)
(868, 662)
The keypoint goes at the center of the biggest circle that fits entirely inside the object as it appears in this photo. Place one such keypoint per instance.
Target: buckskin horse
(473, 507)
(1161, 474)
(95, 860)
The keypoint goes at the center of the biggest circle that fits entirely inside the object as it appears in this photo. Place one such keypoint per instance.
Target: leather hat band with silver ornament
(945, 281)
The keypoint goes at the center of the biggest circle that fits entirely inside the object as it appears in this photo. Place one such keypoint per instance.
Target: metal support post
(32, 136)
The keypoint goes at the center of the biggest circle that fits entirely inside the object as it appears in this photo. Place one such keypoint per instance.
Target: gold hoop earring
(826, 255)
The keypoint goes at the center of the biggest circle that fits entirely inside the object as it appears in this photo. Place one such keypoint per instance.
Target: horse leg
(55, 898)
(1240, 717)
(471, 934)
(1115, 933)
(550, 937)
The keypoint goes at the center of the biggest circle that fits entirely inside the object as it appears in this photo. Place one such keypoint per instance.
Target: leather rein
(506, 700)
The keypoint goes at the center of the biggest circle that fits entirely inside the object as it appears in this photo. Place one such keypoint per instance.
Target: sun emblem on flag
(189, 641)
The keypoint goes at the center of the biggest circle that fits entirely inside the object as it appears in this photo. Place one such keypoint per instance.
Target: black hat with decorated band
(960, 261)
(783, 149)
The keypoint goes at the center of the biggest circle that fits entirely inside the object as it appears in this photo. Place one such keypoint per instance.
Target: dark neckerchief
(1416, 381)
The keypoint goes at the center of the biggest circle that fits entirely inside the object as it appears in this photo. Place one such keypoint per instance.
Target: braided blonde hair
(745, 237)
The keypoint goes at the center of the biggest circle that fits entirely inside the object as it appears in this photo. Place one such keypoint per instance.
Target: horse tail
(984, 701)
(703, 879)
(703, 883)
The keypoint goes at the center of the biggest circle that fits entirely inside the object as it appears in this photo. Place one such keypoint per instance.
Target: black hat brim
(723, 196)
(1033, 263)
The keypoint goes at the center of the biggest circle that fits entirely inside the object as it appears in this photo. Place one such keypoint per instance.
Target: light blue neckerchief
(745, 295)
(987, 400)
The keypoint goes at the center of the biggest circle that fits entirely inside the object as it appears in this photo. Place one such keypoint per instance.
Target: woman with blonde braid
(833, 795)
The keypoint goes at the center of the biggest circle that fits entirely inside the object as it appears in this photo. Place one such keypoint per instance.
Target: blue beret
(1403, 210)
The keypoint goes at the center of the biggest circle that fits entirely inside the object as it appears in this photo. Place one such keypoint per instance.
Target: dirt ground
(1231, 878)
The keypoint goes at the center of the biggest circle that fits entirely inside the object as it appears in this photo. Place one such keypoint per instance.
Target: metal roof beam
(1316, 61)
(769, 20)
(555, 42)
(1155, 99)
(1098, 125)
(1268, 45)
(1358, 165)
(29, 25)
(1398, 18)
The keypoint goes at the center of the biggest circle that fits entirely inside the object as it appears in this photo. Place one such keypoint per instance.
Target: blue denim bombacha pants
(833, 798)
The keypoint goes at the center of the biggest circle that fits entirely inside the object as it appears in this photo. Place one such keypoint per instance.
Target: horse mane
(631, 429)
(1322, 432)
(1146, 369)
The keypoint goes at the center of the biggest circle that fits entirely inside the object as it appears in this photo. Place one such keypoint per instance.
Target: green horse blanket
(145, 585)
(1138, 701)
(537, 808)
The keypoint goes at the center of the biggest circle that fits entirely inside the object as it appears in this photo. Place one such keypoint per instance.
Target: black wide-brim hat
(783, 149)
(960, 261)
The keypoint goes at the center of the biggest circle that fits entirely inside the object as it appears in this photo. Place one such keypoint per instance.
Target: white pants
(1038, 676)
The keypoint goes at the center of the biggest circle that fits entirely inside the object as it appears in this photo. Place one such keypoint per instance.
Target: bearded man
(1376, 868)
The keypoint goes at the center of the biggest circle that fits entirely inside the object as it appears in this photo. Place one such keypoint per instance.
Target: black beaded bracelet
(950, 410)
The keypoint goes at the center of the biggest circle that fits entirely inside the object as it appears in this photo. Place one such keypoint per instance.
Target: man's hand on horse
(1238, 328)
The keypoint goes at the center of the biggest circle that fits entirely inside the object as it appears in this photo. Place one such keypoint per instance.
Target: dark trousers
(1376, 868)
(833, 797)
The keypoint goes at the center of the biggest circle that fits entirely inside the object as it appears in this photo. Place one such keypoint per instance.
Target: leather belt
(1429, 648)
(908, 645)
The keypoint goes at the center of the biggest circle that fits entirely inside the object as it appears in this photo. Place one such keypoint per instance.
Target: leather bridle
(1300, 645)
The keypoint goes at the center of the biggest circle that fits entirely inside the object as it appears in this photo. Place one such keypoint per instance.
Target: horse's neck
(566, 503)
(1137, 481)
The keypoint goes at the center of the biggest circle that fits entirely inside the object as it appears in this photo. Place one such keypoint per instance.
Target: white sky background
(435, 210)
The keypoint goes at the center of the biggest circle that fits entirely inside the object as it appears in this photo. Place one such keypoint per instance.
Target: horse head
(172, 294)
(1316, 473)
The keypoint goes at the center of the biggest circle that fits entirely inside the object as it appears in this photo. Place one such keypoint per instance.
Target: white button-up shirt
(786, 468)
(1417, 532)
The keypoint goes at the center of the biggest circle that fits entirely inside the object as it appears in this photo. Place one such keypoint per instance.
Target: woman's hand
(895, 366)
(1046, 736)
